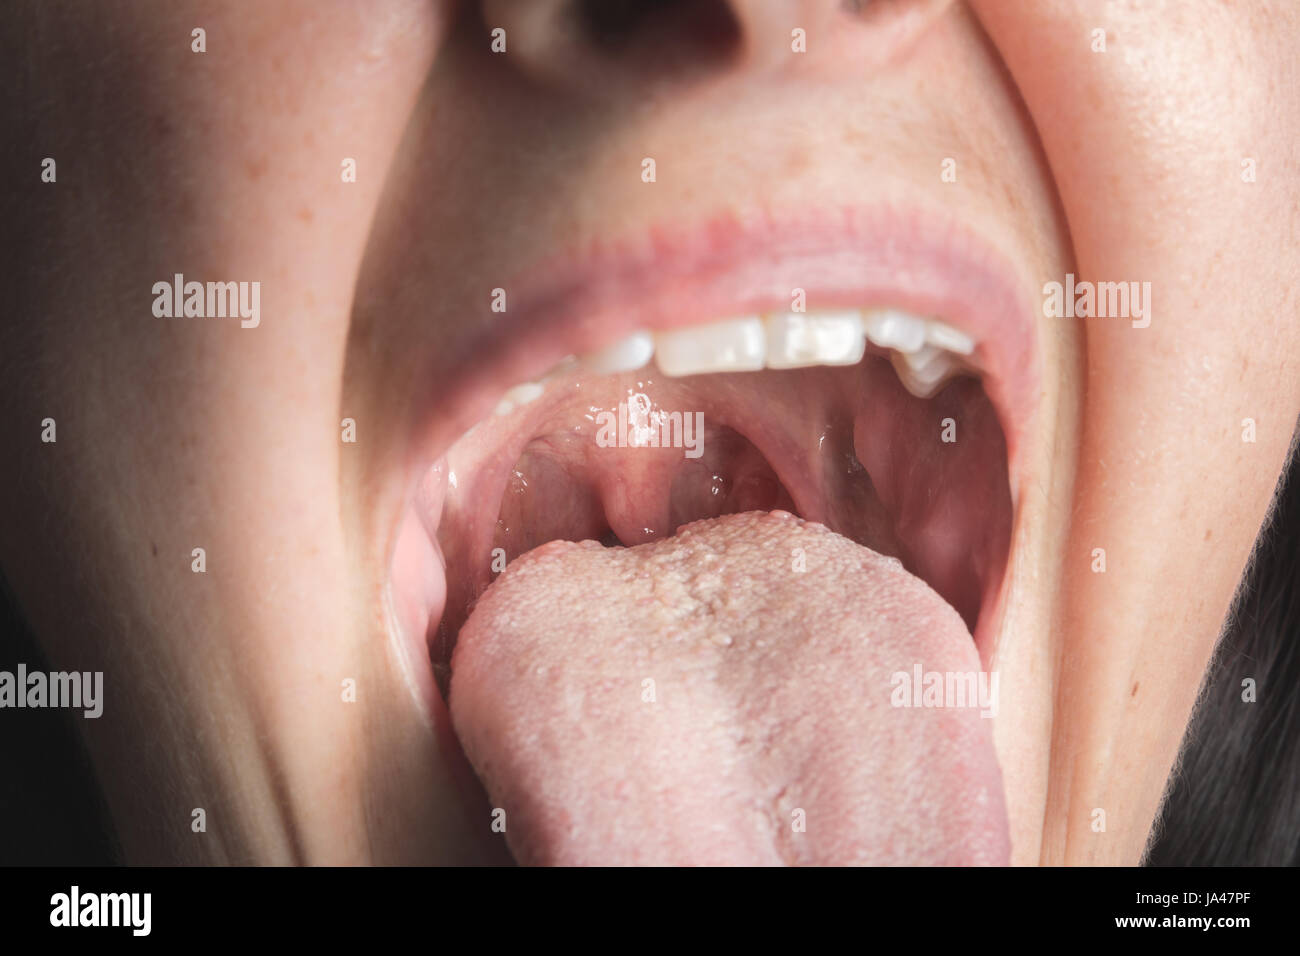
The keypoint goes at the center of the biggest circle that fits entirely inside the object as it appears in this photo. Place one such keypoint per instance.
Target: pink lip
(581, 300)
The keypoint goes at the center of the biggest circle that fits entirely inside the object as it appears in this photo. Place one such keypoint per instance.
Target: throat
(628, 459)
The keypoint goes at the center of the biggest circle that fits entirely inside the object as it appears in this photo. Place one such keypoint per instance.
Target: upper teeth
(624, 355)
(926, 352)
(798, 339)
(895, 330)
(734, 345)
(519, 395)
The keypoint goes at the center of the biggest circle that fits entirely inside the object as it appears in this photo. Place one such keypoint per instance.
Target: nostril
(608, 48)
(678, 27)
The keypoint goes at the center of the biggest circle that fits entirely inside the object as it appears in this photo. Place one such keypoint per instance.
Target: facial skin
(223, 689)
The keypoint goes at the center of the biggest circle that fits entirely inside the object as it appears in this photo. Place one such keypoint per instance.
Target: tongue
(736, 694)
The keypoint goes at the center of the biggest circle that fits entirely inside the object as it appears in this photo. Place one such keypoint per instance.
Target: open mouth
(671, 449)
(781, 412)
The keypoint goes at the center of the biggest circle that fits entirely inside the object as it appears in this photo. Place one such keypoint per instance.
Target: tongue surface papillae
(724, 696)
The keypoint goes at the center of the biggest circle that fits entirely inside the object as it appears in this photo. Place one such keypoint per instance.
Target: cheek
(1158, 143)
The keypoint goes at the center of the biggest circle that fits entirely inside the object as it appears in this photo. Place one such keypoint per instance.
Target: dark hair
(52, 812)
(1234, 796)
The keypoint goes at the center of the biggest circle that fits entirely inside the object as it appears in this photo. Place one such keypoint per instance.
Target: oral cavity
(771, 640)
(848, 446)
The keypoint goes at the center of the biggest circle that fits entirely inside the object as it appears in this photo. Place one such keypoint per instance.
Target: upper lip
(673, 276)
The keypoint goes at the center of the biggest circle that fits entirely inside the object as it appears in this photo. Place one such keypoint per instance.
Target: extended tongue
(735, 694)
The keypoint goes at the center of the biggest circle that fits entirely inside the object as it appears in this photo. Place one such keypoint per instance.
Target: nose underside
(621, 48)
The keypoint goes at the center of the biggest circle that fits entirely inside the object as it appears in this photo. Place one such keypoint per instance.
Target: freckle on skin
(797, 162)
(1207, 534)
